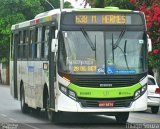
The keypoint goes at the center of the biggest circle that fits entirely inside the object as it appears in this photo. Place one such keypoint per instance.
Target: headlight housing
(71, 94)
(140, 91)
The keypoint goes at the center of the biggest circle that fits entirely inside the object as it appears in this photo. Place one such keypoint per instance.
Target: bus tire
(155, 109)
(52, 115)
(24, 106)
(122, 117)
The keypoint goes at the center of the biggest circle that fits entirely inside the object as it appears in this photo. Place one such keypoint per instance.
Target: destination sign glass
(102, 18)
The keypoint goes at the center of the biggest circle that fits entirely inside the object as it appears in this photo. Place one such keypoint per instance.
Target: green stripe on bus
(119, 92)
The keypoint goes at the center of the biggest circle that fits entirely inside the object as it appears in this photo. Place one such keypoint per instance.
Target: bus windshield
(115, 52)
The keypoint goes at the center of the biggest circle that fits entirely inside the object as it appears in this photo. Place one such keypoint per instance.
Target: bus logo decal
(105, 85)
(30, 68)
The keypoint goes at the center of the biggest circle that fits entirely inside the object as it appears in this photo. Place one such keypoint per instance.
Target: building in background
(4, 74)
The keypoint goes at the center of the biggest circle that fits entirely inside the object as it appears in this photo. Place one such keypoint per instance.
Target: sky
(77, 3)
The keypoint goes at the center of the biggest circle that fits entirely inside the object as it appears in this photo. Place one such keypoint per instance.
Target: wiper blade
(119, 39)
(125, 54)
(88, 39)
(112, 48)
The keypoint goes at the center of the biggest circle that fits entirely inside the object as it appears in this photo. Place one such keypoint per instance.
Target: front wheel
(24, 106)
(122, 117)
(52, 116)
(155, 109)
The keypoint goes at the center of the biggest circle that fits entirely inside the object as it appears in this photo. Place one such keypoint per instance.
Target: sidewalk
(3, 85)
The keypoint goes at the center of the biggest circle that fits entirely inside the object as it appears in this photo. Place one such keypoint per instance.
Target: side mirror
(149, 42)
(54, 45)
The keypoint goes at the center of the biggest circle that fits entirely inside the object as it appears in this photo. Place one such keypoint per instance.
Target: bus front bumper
(67, 104)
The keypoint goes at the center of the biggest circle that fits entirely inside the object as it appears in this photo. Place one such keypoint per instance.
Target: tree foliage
(96, 3)
(67, 5)
(15, 11)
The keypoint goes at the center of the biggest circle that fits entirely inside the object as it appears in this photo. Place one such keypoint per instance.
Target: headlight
(67, 92)
(140, 92)
(72, 95)
(144, 88)
(63, 89)
(137, 94)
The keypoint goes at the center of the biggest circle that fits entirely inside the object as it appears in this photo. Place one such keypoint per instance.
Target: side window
(45, 40)
(46, 32)
(35, 43)
(15, 42)
(31, 44)
(25, 43)
(20, 45)
(39, 39)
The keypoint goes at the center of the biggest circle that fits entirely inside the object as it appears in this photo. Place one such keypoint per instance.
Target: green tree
(8, 16)
(123, 4)
(67, 5)
(96, 3)
(47, 7)
(12, 12)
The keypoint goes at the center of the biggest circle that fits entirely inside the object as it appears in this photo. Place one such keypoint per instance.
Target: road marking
(150, 120)
(12, 119)
(31, 126)
(3, 115)
(9, 118)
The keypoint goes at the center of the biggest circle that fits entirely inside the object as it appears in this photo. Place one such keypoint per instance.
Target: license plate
(106, 104)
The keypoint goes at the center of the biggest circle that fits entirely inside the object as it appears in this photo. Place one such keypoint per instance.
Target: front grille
(95, 103)
(111, 80)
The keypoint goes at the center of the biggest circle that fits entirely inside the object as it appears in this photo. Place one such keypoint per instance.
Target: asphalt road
(11, 117)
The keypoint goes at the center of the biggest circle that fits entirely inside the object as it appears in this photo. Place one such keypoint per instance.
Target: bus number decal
(84, 68)
(81, 19)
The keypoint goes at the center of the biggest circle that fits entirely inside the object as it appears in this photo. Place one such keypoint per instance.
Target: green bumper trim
(119, 92)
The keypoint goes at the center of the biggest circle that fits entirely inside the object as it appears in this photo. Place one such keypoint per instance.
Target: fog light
(67, 92)
(140, 91)
(137, 94)
(72, 94)
(144, 88)
(63, 89)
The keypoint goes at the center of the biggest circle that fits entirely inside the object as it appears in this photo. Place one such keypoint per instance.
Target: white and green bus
(81, 60)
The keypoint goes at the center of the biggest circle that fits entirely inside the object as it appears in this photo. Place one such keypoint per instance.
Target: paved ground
(11, 114)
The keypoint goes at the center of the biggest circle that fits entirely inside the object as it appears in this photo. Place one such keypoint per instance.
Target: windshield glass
(125, 56)
(99, 52)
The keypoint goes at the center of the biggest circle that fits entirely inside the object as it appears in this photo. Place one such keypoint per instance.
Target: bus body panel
(33, 77)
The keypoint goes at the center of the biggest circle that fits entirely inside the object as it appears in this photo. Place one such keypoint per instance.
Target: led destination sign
(102, 19)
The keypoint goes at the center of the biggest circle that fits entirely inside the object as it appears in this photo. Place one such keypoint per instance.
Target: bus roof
(53, 14)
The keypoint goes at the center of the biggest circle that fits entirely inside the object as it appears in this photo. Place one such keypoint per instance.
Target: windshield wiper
(88, 39)
(119, 38)
(125, 54)
(113, 48)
